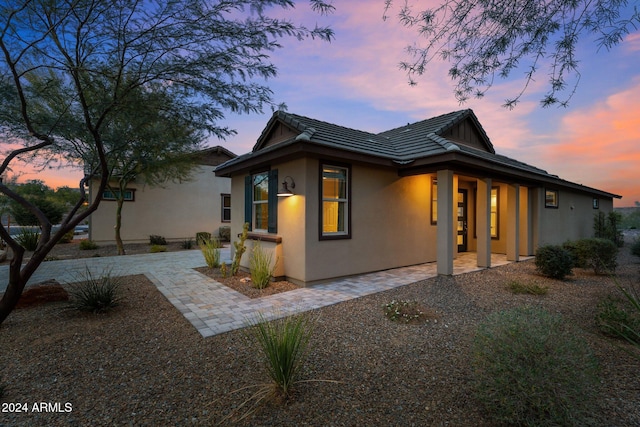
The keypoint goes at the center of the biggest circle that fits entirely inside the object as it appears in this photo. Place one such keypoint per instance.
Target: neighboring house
(175, 211)
(420, 193)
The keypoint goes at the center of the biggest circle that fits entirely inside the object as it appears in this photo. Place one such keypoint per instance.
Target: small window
(261, 201)
(226, 207)
(596, 203)
(335, 205)
(551, 199)
(129, 195)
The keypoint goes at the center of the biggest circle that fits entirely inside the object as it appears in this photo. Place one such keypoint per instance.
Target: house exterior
(176, 211)
(419, 193)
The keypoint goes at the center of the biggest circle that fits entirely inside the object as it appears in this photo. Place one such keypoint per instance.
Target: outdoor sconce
(287, 187)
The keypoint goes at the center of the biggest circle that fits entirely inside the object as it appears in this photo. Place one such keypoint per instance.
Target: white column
(483, 222)
(513, 222)
(446, 240)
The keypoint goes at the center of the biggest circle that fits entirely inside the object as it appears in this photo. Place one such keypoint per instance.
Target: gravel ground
(144, 364)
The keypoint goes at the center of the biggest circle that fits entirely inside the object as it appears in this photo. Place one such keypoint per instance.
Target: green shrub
(260, 266)
(284, 346)
(87, 245)
(157, 248)
(95, 294)
(28, 239)
(596, 253)
(187, 244)
(619, 317)
(211, 252)
(225, 233)
(607, 226)
(403, 311)
(531, 370)
(157, 240)
(527, 288)
(635, 248)
(68, 237)
(554, 261)
(202, 236)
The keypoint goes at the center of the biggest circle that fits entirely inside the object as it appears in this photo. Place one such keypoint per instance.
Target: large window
(551, 198)
(260, 201)
(434, 201)
(226, 207)
(335, 201)
(494, 212)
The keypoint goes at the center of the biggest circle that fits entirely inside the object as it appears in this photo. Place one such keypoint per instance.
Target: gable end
(466, 132)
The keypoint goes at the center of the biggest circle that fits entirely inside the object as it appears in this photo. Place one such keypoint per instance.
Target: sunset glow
(355, 81)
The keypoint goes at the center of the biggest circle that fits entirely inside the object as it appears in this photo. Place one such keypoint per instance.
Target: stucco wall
(177, 211)
(572, 220)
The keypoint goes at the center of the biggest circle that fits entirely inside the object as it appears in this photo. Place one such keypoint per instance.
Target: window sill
(264, 237)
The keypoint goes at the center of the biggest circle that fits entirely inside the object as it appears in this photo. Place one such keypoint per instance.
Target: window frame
(113, 198)
(596, 203)
(495, 236)
(224, 208)
(348, 200)
(434, 201)
(555, 202)
(271, 202)
(255, 202)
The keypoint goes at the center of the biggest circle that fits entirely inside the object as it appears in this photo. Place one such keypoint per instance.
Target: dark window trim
(596, 203)
(272, 201)
(223, 208)
(548, 204)
(342, 236)
(113, 198)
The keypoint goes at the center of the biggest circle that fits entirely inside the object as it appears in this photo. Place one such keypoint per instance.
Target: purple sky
(355, 82)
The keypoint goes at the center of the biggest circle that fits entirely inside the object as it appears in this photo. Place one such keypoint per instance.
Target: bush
(225, 233)
(211, 252)
(87, 245)
(157, 240)
(284, 343)
(529, 369)
(28, 239)
(527, 288)
(68, 237)
(620, 317)
(187, 244)
(157, 248)
(202, 236)
(635, 248)
(554, 261)
(95, 294)
(608, 227)
(240, 248)
(596, 253)
(260, 266)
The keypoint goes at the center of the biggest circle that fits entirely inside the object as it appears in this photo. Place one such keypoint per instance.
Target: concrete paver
(213, 308)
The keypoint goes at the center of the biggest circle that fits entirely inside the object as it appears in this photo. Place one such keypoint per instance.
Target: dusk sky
(355, 82)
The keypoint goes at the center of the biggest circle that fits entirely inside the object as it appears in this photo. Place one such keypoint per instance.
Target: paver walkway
(213, 308)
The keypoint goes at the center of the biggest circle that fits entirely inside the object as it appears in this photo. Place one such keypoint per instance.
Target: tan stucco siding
(177, 211)
(572, 220)
(390, 225)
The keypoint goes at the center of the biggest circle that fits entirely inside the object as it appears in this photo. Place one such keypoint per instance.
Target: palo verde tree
(144, 145)
(68, 67)
(488, 39)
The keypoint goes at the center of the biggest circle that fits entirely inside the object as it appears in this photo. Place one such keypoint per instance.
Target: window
(596, 203)
(226, 207)
(434, 201)
(495, 191)
(335, 206)
(551, 198)
(260, 201)
(129, 195)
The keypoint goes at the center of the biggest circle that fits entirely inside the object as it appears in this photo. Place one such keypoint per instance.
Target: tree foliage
(488, 39)
(70, 69)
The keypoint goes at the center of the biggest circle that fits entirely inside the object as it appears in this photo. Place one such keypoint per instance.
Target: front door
(462, 220)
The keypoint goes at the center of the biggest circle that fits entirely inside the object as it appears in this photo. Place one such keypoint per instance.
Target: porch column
(483, 222)
(445, 239)
(513, 222)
